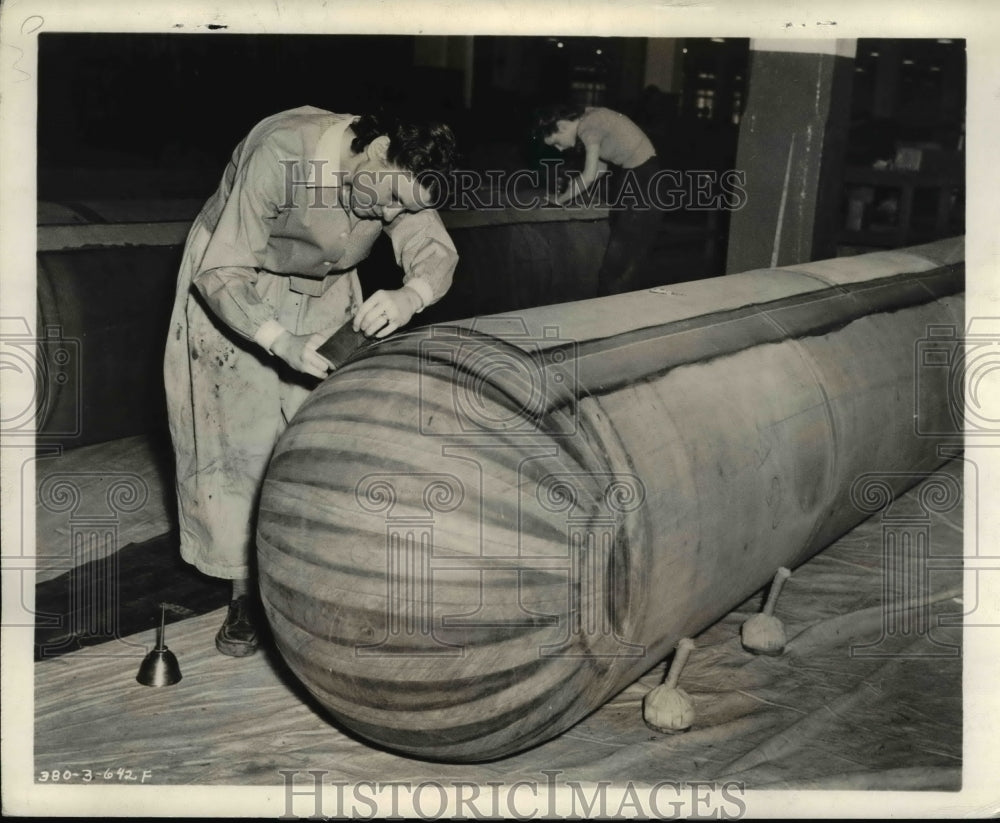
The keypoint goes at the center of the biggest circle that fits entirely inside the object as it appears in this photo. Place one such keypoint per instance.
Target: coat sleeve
(227, 276)
(425, 252)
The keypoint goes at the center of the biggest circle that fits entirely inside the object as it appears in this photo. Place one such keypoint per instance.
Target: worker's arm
(227, 277)
(580, 183)
(428, 259)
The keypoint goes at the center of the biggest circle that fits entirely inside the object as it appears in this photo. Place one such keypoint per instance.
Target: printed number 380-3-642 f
(119, 775)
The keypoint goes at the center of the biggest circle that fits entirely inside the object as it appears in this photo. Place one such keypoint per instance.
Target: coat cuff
(423, 291)
(268, 333)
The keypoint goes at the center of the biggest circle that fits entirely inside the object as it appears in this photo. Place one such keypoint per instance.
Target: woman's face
(384, 191)
(381, 189)
(564, 137)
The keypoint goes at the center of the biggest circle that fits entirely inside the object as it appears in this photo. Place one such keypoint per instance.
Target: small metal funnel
(159, 667)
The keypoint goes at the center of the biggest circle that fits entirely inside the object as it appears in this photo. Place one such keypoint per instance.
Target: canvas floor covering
(867, 696)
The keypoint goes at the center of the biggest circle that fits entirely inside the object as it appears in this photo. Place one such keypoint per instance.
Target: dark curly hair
(546, 118)
(424, 147)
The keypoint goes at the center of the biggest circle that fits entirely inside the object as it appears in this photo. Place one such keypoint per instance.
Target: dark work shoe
(238, 635)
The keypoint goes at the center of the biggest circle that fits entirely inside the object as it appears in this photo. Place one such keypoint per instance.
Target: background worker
(611, 139)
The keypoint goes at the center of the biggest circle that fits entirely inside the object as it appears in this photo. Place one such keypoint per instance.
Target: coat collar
(329, 174)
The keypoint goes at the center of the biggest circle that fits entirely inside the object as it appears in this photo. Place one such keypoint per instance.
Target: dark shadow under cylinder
(471, 537)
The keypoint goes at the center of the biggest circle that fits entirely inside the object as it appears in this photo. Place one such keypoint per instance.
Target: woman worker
(268, 273)
(610, 138)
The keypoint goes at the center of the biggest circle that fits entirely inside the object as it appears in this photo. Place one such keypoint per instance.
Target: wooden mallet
(667, 708)
(764, 633)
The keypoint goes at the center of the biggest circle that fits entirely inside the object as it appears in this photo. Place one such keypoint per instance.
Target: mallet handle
(680, 658)
(772, 598)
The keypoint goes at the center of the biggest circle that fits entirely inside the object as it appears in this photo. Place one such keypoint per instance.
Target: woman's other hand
(385, 311)
(299, 352)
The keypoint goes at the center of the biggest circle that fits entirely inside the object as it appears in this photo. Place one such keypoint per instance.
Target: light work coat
(274, 248)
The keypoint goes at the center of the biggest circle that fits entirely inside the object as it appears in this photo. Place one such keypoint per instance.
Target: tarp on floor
(867, 696)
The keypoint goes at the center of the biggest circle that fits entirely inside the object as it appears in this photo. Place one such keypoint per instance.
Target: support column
(663, 64)
(791, 147)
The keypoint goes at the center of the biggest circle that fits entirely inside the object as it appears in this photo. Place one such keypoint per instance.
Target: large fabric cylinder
(470, 537)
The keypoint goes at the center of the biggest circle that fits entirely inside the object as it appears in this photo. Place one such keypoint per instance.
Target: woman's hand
(385, 311)
(299, 352)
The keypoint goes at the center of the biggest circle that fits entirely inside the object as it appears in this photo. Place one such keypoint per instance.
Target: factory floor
(868, 694)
